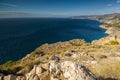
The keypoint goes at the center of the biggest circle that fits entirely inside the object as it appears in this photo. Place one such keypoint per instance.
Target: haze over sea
(20, 36)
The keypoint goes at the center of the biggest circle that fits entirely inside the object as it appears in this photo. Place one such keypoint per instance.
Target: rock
(45, 66)
(55, 70)
(33, 77)
(35, 73)
(10, 77)
(1, 76)
(69, 70)
(20, 78)
(36, 70)
(56, 58)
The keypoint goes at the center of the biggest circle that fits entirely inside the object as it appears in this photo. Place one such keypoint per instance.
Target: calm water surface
(18, 37)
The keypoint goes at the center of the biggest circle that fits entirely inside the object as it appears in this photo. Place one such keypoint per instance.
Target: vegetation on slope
(92, 56)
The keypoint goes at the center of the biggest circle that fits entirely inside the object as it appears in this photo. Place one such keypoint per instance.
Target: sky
(46, 8)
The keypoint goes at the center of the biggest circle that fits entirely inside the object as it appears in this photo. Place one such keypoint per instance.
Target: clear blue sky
(61, 7)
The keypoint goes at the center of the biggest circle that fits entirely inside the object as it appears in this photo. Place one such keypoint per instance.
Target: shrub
(77, 42)
(9, 64)
(68, 54)
(114, 42)
(103, 56)
(10, 67)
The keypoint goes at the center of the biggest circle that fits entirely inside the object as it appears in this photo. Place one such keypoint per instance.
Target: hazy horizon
(61, 8)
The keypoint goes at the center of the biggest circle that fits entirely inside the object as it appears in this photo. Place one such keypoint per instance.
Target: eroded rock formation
(69, 70)
(58, 69)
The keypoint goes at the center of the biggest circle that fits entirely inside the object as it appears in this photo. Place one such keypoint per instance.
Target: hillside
(71, 60)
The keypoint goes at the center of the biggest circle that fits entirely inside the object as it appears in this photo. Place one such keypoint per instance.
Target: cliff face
(70, 60)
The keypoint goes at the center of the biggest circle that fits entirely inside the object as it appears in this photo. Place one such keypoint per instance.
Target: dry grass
(86, 52)
(107, 69)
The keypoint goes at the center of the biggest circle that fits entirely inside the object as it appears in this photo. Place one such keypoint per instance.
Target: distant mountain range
(95, 17)
(7, 14)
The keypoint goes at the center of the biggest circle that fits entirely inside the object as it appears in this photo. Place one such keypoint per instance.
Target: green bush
(114, 25)
(9, 65)
(114, 42)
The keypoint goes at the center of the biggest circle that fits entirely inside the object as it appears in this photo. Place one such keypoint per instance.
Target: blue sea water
(20, 36)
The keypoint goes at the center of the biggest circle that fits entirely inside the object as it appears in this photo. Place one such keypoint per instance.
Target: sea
(20, 36)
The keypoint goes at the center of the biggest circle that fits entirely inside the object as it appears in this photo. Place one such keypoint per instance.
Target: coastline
(113, 34)
(56, 57)
(70, 29)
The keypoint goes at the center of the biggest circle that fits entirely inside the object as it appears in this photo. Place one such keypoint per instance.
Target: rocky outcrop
(58, 69)
(20, 78)
(69, 70)
(9, 77)
(34, 73)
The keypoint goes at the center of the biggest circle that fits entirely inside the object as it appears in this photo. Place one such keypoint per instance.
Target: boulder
(20, 78)
(33, 77)
(35, 73)
(10, 77)
(69, 70)
(1, 76)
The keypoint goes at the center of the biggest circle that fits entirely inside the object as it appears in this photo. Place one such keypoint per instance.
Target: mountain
(96, 17)
(84, 17)
(7, 14)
